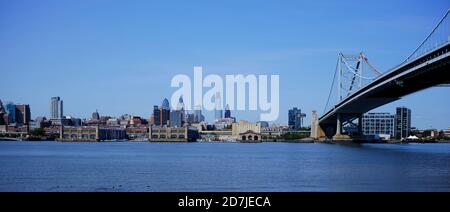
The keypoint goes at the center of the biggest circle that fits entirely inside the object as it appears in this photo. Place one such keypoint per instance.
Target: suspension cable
(331, 89)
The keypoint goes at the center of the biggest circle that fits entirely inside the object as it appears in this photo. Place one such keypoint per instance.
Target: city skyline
(109, 70)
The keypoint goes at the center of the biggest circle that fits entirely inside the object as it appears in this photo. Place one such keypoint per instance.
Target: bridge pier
(339, 137)
(360, 127)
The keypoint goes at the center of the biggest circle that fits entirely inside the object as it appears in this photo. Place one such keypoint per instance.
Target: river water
(142, 166)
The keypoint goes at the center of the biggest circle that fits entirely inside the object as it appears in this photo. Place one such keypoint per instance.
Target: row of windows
(171, 136)
(83, 136)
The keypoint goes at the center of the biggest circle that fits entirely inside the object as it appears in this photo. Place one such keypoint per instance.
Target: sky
(119, 56)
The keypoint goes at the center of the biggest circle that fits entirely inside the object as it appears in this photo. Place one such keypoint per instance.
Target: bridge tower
(349, 78)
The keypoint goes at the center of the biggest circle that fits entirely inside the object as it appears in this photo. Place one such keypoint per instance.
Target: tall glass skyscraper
(11, 110)
(56, 108)
(218, 110)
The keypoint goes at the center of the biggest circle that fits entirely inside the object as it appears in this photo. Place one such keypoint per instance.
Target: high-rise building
(198, 117)
(165, 113)
(181, 108)
(11, 110)
(402, 122)
(161, 115)
(23, 114)
(56, 108)
(295, 118)
(378, 124)
(218, 109)
(176, 118)
(165, 104)
(227, 111)
(95, 115)
(156, 116)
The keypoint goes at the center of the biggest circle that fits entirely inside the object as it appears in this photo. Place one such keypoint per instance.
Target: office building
(198, 117)
(161, 115)
(295, 116)
(95, 116)
(11, 111)
(227, 111)
(23, 114)
(402, 122)
(56, 108)
(176, 118)
(218, 108)
(379, 124)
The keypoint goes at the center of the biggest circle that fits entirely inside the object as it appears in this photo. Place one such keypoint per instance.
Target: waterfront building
(273, 131)
(295, 117)
(173, 134)
(249, 136)
(56, 108)
(402, 122)
(137, 132)
(92, 133)
(447, 132)
(378, 124)
(243, 128)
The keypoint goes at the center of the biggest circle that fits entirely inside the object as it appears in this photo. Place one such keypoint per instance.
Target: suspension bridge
(359, 87)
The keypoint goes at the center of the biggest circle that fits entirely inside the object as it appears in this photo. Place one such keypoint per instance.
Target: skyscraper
(95, 115)
(161, 115)
(156, 116)
(11, 110)
(176, 118)
(402, 122)
(218, 109)
(56, 108)
(23, 114)
(165, 104)
(165, 113)
(198, 117)
(227, 111)
(295, 118)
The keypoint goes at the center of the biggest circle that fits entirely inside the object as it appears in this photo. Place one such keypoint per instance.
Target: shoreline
(270, 141)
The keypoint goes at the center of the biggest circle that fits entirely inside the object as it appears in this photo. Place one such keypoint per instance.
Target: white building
(378, 124)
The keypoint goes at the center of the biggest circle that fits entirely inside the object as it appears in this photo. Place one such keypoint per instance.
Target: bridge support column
(360, 127)
(338, 125)
(339, 137)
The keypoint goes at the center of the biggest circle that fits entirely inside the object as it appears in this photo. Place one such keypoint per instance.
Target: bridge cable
(426, 39)
(332, 85)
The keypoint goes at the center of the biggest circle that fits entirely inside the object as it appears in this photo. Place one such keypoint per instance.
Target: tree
(38, 132)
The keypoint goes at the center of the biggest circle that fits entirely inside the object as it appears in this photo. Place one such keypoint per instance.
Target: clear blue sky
(119, 56)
